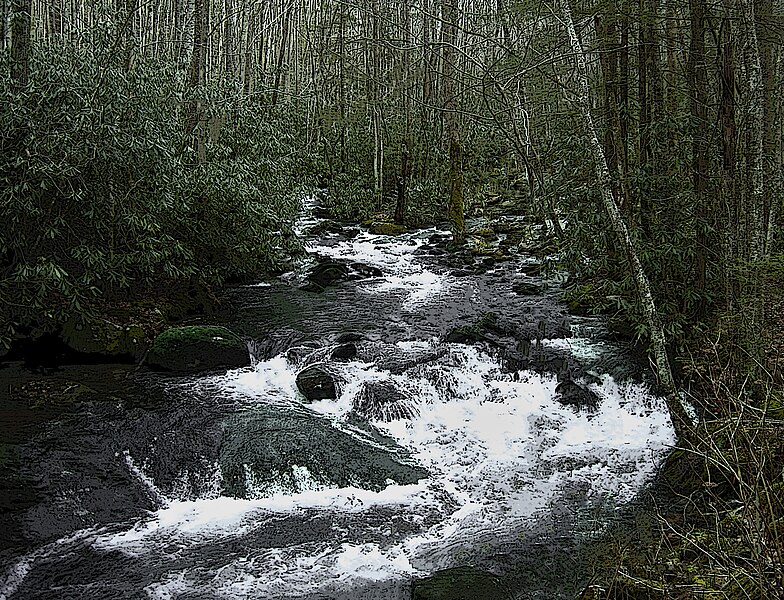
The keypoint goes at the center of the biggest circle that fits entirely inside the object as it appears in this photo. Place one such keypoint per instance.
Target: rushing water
(229, 486)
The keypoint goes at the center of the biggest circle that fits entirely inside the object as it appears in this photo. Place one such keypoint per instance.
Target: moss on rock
(196, 348)
(383, 228)
(461, 583)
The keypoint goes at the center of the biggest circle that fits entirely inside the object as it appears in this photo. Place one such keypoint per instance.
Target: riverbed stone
(383, 401)
(194, 348)
(526, 288)
(316, 383)
(382, 228)
(344, 352)
(461, 583)
(569, 393)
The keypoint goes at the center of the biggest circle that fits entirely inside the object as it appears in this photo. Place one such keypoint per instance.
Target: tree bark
(755, 113)
(455, 210)
(680, 418)
(195, 130)
(20, 43)
(696, 69)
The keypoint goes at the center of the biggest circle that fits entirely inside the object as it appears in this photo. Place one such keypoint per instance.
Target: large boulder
(383, 401)
(195, 348)
(315, 383)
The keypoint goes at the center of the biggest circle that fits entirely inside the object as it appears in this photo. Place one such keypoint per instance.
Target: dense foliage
(100, 197)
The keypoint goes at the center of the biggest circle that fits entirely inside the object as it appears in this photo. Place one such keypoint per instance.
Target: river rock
(382, 228)
(326, 226)
(315, 383)
(331, 272)
(344, 352)
(383, 401)
(526, 288)
(272, 446)
(462, 583)
(574, 395)
(349, 336)
(194, 348)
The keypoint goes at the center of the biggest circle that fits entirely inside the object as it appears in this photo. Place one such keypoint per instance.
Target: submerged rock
(331, 272)
(574, 395)
(315, 383)
(383, 401)
(194, 348)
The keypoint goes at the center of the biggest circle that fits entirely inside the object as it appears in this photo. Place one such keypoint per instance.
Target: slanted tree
(680, 419)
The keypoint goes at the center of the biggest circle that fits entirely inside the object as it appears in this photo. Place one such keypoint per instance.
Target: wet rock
(315, 383)
(325, 227)
(191, 349)
(332, 272)
(296, 354)
(569, 393)
(344, 352)
(359, 270)
(531, 269)
(329, 273)
(383, 401)
(381, 228)
(462, 583)
(525, 288)
(267, 443)
(349, 336)
(398, 363)
(440, 239)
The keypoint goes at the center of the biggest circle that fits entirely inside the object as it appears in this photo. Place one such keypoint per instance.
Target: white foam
(499, 448)
(403, 272)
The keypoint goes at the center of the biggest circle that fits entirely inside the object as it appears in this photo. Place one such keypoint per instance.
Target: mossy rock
(195, 348)
(461, 583)
(102, 337)
(382, 228)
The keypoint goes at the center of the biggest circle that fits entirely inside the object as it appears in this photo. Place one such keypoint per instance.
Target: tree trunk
(726, 68)
(455, 209)
(696, 69)
(20, 43)
(402, 183)
(680, 418)
(195, 130)
(755, 113)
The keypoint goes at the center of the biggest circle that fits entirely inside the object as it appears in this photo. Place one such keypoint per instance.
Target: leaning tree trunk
(680, 418)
